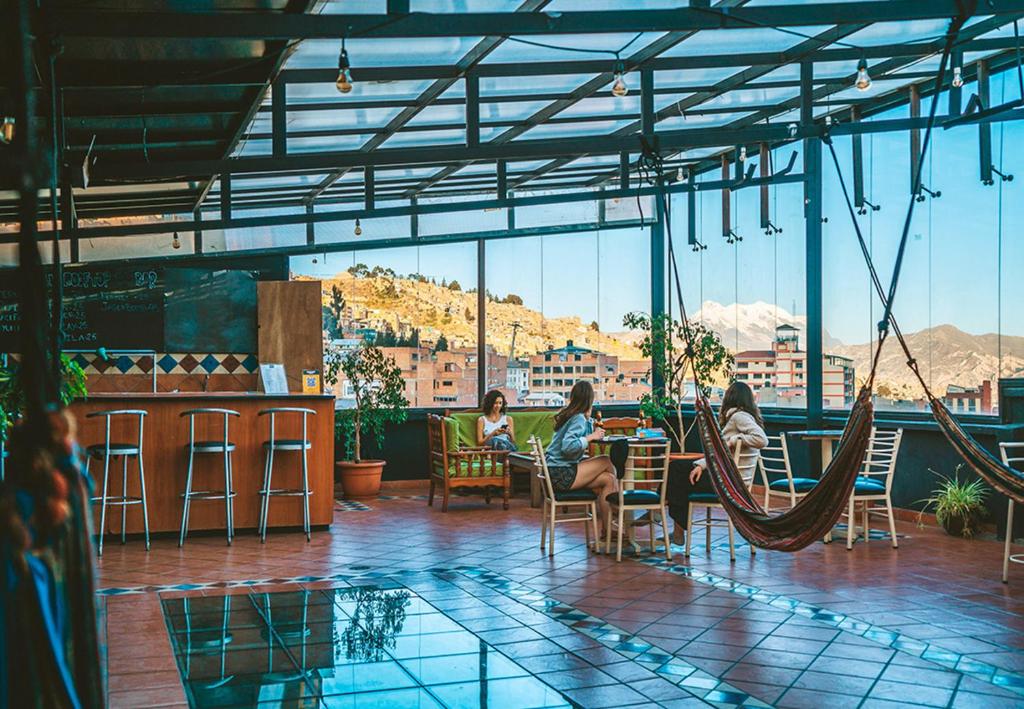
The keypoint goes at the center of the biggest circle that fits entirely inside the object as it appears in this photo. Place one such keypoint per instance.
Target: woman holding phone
(494, 427)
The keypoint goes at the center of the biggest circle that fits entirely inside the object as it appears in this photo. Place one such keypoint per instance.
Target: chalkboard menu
(209, 310)
(116, 308)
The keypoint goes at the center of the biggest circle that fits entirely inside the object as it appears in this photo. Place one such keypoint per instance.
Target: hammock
(815, 514)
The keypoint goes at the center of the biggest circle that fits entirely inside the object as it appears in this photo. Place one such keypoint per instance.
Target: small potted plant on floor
(959, 506)
(377, 398)
(709, 358)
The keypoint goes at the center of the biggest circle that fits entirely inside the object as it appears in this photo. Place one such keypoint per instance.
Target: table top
(819, 433)
(182, 395)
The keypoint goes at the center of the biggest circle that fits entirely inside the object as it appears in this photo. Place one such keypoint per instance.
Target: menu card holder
(273, 379)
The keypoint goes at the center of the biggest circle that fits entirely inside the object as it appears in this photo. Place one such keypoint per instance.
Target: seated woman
(741, 422)
(494, 428)
(568, 464)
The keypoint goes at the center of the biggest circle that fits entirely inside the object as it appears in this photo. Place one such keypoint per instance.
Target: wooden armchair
(451, 467)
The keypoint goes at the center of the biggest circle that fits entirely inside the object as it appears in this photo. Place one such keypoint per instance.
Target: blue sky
(951, 272)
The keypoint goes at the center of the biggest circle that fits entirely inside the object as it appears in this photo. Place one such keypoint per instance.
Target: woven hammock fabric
(1003, 478)
(816, 513)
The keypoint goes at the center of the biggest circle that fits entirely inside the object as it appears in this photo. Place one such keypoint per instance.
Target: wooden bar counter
(166, 461)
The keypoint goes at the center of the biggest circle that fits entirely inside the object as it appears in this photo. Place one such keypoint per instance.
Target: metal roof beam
(283, 26)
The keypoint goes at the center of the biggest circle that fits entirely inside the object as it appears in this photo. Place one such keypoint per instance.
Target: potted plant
(959, 506)
(12, 395)
(709, 358)
(378, 398)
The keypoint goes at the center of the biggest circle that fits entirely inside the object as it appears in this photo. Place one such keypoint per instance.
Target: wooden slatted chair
(777, 474)
(471, 467)
(566, 500)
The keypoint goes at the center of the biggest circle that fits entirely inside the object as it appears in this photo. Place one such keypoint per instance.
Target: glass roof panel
(570, 47)
(268, 183)
(700, 120)
(759, 39)
(361, 91)
(576, 128)
(464, 5)
(328, 144)
(525, 85)
(323, 53)
(693, 77)
(368, 118)
(416, 139)
(881, 33)
(604, 105)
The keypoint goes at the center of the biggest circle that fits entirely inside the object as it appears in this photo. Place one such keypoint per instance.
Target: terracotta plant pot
(360, 481)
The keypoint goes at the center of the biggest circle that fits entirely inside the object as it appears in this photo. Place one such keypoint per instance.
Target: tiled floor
(928, 624)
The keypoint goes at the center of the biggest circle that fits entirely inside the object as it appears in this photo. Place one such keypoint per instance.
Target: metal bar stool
(224, 447)
(107, 450)
(285, 444)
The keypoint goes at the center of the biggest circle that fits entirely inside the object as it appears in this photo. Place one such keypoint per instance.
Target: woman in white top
(741, 422)
(494, 428)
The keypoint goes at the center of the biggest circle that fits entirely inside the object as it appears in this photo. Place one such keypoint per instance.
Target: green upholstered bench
(526, 423)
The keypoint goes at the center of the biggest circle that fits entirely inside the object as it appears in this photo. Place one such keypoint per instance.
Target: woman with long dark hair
(741, 422)
(494, 427)
(568, 465)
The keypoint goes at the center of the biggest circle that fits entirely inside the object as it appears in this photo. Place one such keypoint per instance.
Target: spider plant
(959, 505)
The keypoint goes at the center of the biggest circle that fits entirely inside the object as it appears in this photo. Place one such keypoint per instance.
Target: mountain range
(946, 354)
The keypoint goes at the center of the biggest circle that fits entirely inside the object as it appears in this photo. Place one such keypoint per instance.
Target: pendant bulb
(619, 88)
(863, 82)
(176, 242)
(359, 229)
(344, 82)
(958, 77)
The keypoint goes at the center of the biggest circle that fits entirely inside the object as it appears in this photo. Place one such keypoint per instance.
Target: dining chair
(872, 490)
(566, 499)
(745, 459)
(646, 493)
(274, 443)
(1013, 457)
(776, 474)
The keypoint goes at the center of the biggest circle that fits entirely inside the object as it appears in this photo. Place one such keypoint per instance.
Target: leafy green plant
(709, 359)
(958, 505)
(379, 392)
(12, 394)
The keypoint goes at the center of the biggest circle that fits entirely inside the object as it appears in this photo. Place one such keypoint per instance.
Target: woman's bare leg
(597, 474)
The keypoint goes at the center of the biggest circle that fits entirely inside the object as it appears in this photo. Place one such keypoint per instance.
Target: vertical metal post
(310, 226)
(368, 186)
(984, 127)
(472, 110)
(624, 171)
(68, 217)
(279, 118)
(726, 199)
(197, 234)
(414, 219)
(915, 136)
(225, 196)
(691, 210)
(858, 162)
(501, 170)
(658, 268)
(647, 102)
(813, 247)
(481, 319)
(765, 161)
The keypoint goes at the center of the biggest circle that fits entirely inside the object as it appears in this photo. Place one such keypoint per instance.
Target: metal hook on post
(934, 195)
(874, 208)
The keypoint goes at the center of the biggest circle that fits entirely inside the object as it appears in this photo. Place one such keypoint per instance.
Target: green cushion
(451, 433)
(583, 495)
(636, 497)
(459, 469)
(799, 484)
(869, 486)
(703, 497)
(525, 423)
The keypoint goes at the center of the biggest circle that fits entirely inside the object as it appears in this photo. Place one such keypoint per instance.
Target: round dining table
(828, 437)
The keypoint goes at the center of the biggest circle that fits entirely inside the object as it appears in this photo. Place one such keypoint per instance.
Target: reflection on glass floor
(355, 648)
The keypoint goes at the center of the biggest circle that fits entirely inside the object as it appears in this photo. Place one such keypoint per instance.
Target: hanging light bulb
(743, 153)
(6, 129)
(358, 230)
(619, 88)
(958, 77)
(863, 82)
(344, 82)
(680, 175)
(176, 242)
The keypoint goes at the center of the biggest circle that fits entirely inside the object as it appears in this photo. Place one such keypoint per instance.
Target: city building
(779, 375)
(557, 369)
(969, 400)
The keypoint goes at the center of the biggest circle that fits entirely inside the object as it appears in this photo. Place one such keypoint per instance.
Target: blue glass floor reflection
(355, 648)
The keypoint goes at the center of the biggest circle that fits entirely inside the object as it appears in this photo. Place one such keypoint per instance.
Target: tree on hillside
(513, 299)
(594, 326)
(444, 282)
(442, 344)
(330, 323)
(469, 315)
(454, 285)
(337, 303)
(359, 270)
